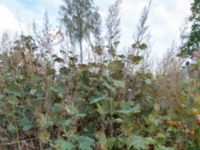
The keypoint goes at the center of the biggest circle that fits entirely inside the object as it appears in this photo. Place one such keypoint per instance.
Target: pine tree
(193, 39)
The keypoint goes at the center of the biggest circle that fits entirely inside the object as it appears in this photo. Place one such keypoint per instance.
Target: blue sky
(165, 18)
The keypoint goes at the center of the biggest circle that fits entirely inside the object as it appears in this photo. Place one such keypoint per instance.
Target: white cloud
(52, 2)
(166, 18)
(8, 20)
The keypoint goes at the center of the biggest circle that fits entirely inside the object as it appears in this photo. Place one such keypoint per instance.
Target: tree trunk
(81, 50)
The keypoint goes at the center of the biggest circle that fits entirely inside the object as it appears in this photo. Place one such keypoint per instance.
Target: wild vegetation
(51, 98)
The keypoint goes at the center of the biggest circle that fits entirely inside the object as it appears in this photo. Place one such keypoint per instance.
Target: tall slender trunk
(81, 50)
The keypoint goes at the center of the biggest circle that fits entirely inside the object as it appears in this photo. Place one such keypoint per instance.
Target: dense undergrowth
(102, 106)
(50, 101)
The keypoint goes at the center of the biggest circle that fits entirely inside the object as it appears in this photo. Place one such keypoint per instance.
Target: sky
(166, 17)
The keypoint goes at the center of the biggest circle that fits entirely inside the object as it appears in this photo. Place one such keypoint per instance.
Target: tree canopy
(192, 42)
(77, 16)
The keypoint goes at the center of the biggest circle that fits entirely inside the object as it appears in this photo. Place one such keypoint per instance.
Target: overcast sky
(165, 17)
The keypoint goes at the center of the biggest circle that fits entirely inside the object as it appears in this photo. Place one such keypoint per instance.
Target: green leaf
(116, 66)
(103, 108)
(38, 93)
(11, 128)
(161, 138)
(73, 59)
(83, 67)
(135, 59)
(1, 100)
(67, 123)
(26, 124)
(44, 121)
(139, 142)
(111, 143)
(99, 99)
(142, 46)
(12, 100)
(57, 89)
(121, 56)
(64, 145)
(129, 108)
(56, 107)
(85, 143)
(72, 110)
(13, 90)
(118, 84)
(59, 60)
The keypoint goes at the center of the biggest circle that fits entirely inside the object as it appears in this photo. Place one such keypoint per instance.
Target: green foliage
(192, 40)
(101, 105)
(77, 17)
(138, 142)
(96, 106)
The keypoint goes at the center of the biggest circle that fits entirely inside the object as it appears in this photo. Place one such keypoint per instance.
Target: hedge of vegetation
(102, 106)
(57, 102)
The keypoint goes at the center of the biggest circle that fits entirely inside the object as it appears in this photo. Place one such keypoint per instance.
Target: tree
(96, 41)
(43, 38)
(76, 15)
(113, 27)
(192, 42)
